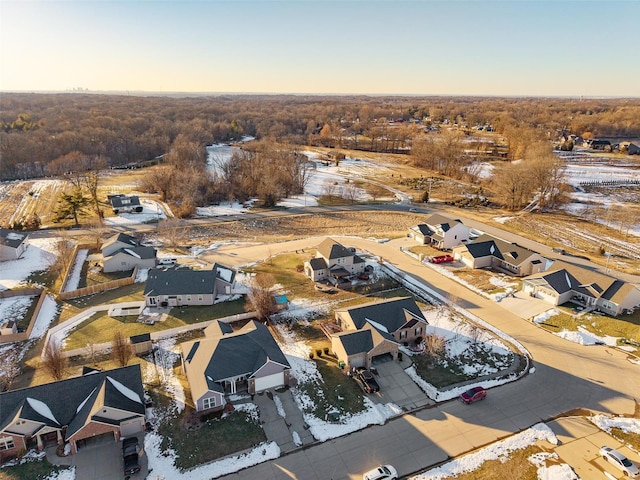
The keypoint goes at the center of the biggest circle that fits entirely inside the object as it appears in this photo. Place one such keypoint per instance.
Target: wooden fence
(42, 294)
(100, 287)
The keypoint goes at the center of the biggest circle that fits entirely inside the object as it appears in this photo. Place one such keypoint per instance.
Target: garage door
(96, 440)
(270, 381)
(130, 427)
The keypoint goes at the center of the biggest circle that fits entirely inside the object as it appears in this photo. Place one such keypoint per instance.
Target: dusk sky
(363, 47)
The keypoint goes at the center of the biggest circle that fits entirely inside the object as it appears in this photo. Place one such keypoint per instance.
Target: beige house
(227, 362)
(333, 263)
(440, 232)
(127, 259)
(565, 282)
(80, 411)
(375, 330)
(174, 288)
(491, 252)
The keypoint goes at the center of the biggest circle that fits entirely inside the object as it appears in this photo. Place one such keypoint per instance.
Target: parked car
(366, 381)
(167, 261)
(473, 395)
(619, 461)
(383, 472)
(130, 446)
(441, 259)
(131, 464)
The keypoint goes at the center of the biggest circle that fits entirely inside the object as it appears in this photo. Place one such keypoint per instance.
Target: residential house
(174, 288)
(226, 362)
(600, 145)
(592, 290)
(80, 411)
(633, 149)
(118, 242)
(125, 203)
(375, 330)
(440, 232)
(128, 258)
(491, 252)
(333, 262)
(12, 244)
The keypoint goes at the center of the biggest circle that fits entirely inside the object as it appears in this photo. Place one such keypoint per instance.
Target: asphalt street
(566, 376)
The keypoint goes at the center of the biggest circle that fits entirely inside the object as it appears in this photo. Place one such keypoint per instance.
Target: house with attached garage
(125, 203)
(81, 411)
(174, 288)
(12, 244)
(440, 232)
(591, 290)
(333, 262)
(491, 252)
(227, 362)
(123, 252)
(375, 330)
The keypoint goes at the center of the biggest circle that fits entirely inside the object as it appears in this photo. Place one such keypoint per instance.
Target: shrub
(311, 356)
(326, 350)
(319, 352)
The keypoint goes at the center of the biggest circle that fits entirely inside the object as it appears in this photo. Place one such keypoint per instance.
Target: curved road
(567, 376)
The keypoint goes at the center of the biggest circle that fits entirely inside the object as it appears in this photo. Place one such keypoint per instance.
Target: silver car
(383, 472)
(620, 461)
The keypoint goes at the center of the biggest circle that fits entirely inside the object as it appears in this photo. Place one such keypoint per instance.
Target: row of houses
(553, 281)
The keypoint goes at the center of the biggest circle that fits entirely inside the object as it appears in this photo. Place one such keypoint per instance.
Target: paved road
(567, 376)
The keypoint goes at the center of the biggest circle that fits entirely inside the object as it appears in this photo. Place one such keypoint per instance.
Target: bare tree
(54, 361)
(172, 232)
(121, 349)
(434, 347)
(261, 295)
(9, 368)
(64, 255)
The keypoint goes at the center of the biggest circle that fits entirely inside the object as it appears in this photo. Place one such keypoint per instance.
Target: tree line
(36, 130)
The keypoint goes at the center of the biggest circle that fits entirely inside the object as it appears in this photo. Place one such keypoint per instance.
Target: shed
(141, 343)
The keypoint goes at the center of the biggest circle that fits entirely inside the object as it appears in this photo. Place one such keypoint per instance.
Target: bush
(311, 356)
(319, 352)
(326, 350)
(300, 268)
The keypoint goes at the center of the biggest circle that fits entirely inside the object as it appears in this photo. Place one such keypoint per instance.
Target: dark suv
(130, 449)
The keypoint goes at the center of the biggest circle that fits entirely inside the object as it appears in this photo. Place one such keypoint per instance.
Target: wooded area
(38, 130)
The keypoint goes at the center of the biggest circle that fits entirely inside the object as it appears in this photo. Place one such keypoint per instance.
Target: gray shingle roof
(358, 341)
(392, 314)
(486, 245)
(180, 282)
(137, 252)
(330, 249)
(11, 238)
(318, 264)
(64, 397)
(118, 201)
(440, 220)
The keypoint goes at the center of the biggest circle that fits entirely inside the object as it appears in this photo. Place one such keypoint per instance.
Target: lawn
(337, 394)
(624, 326)
(100, 327)
(516, 467)
(95, 276)
(214, 438)
(632, 439)
(32, 470)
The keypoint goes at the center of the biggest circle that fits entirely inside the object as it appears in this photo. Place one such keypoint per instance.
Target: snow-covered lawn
(14, 308)
(152, 211)
(39, 255)
(74, 278)
(500, 450)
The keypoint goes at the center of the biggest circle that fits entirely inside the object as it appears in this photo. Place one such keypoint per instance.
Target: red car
(441, 259)
(473, 395)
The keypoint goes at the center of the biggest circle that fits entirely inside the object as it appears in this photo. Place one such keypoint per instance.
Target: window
(403, 334)
(418, 331)
(6, 443)
(209, 403)
(188, 298)
(199, 298)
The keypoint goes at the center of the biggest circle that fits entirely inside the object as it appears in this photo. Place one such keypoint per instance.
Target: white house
(12, 244)
(440, 232)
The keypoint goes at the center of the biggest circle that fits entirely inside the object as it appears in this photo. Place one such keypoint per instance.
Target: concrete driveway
(580, 441)
(397, 387)
(524, 306)
(102, 461)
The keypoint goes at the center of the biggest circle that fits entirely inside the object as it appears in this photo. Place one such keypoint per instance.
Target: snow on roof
(132, 253)
(225, 274)
(126, 391)
(15, 236)
(379, 326)
(86, 399)
(566, 276)
(42, 409)
(492, 249)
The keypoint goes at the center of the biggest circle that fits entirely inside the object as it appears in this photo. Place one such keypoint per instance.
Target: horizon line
(327, 94)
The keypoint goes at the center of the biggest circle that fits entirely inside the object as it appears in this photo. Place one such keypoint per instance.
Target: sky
(552, 48)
